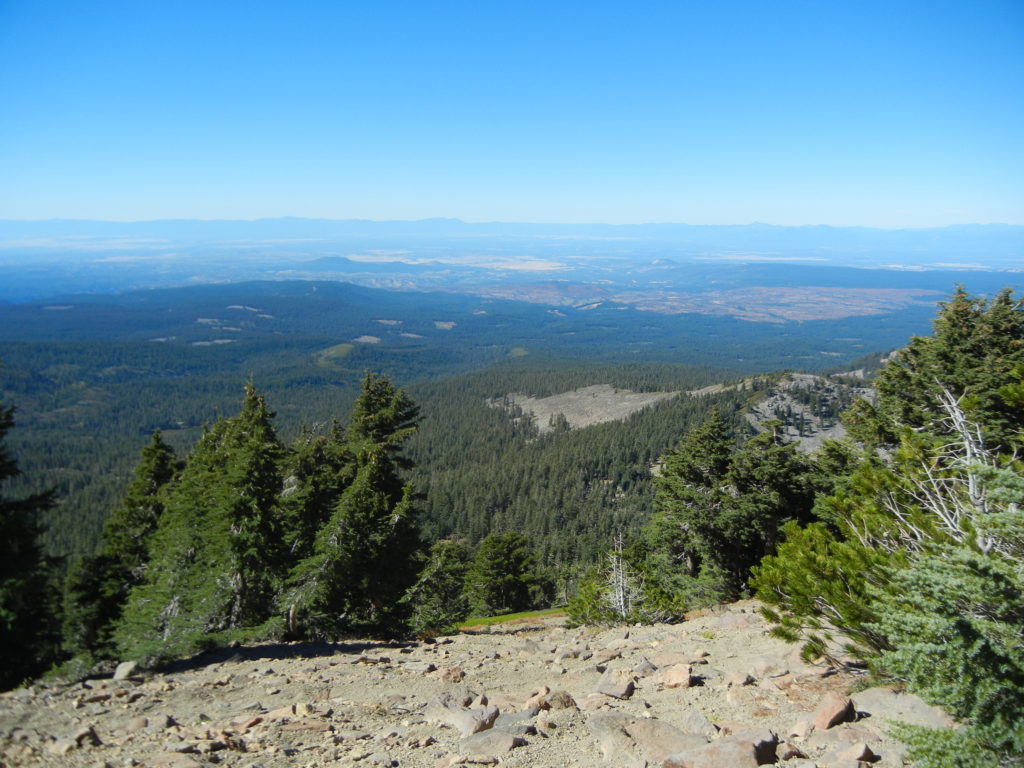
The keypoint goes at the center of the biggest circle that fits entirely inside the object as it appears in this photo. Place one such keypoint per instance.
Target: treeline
(907, 539)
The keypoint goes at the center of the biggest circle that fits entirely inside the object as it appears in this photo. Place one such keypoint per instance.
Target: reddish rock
(675, 676)
(833, 709)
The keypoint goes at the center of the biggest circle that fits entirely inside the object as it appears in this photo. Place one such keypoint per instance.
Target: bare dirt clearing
(595, 404)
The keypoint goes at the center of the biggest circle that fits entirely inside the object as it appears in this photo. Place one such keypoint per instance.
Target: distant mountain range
(664, 268)
(988, 245)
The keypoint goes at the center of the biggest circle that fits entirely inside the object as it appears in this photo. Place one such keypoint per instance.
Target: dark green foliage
(720, 508)
(823, 583)
(974, 349)
(317, 470)
(921, 561)
(361, 562)
(619, 591)
(29, 607)
(504, 576)
(948, 748)
(484, 468)
(217, 552)
(954, 620)
(363, 557)
(98, 586)
(438, 598)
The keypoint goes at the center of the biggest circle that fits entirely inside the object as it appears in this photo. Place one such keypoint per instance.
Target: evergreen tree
(318, 468)
(972, 353)
(438, 598)
(920, 557)
(504, 576)
(97, 586)
(28, 599)
(720, 509)
(217, 552)
(364, 556)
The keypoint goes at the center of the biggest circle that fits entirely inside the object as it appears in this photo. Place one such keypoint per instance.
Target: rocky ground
(714, 692)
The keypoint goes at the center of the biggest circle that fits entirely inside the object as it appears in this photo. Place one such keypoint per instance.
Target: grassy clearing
(337, 352)
(508, 618)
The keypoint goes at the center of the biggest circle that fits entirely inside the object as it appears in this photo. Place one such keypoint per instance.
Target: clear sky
(889, 113)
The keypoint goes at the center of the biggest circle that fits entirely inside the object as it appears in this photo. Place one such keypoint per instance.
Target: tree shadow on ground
(277, 652)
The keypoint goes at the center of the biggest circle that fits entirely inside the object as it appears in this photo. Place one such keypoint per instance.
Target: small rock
(802, 728)
(788, 751)
(559, 700)
(453, 675)
(644, 668)
(537, 698)
(616, 683)
(834, 709)
(490, 743)
(609, 654)
(137, 724)
(675, 676)
(738, 679)
(694, 721)
(87, 737)
(856, 752)
(125, 670)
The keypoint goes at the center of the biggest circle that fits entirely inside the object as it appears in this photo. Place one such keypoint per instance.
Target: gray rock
(644, 668)
(891, 706)
(490, 743)
(617, 683)
(718, 754)
(649, 738)
(510, 719)
(125, 670)
(465, 721)
(610, 731)
(694, 721)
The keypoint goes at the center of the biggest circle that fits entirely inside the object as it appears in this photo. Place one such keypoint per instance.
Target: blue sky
(891, 114)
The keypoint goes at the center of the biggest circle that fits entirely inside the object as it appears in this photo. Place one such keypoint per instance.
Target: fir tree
(28, 598)
(318, 469)
(719, 509)
(97, 586)
(438, 598)
(364, 556)
(504, 576)
(217, 552)
(972, 353)
(920, 554)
